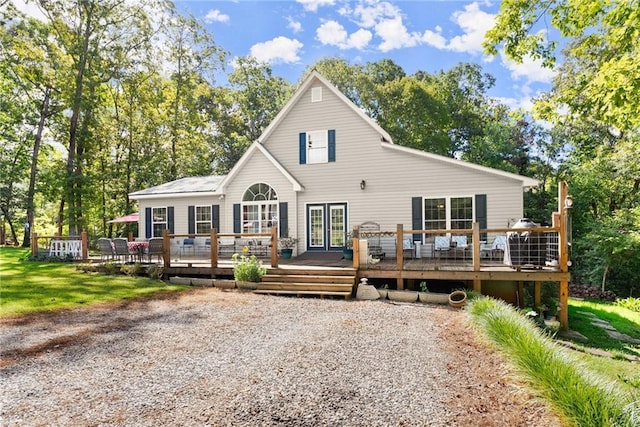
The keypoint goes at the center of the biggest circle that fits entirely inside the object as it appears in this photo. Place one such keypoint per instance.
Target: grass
(581, 396)
(32, 287)
(621, 318)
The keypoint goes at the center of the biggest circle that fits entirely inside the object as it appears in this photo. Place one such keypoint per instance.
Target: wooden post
(475, 227)
(130, 236)
(34, 244)
(214, 250)
(274, 247)
(399, 247)
(85, 245)
(563, 309)
(537, 293)
(355, 245)
(166, 248)
(520, 294)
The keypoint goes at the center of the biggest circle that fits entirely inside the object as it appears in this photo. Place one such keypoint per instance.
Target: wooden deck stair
(337, 282)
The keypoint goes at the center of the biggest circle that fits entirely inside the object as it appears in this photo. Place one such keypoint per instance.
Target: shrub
(630, 303)
(131, 269)
(582, 397)
(247, 268)
(155, 272)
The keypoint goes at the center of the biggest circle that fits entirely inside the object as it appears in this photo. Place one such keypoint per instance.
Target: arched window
(259, 209)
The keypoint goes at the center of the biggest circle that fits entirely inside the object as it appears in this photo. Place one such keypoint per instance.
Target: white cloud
(30, 9)
(277, 50)
(372, 13)
(530, 69)
(394, 34)
(295, 26)
(214, 15)
(313, 5)
(333, 34)
(474, 23)
(434, 39)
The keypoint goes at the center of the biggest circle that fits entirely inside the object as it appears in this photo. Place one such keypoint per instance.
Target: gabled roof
(184, 187)
(526, 181)
(314, 75)
(257, 146)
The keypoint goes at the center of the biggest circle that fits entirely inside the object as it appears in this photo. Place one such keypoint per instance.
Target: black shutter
(170, 219)
(215, 217)
(237, 226)
(302, 144)
(191, 216)
(284, 219)
(481, 213)
(148, 223)
(416, 217)
(332, 145)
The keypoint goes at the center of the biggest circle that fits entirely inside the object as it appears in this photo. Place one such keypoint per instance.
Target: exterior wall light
(568, 202)
(363, 184)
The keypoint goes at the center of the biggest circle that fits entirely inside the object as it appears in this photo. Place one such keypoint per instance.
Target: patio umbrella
(132, 217)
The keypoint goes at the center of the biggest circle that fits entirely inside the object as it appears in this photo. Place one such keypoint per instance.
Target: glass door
(326, 226)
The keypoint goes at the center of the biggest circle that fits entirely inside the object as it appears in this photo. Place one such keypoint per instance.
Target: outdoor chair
(498, 247)
(226, 246)
(442, 245)
(188, 244)
(106, 249)
(121, 249)
(371, 231)
(155, 248)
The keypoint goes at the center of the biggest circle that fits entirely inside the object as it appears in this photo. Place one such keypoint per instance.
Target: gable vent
(316, 94)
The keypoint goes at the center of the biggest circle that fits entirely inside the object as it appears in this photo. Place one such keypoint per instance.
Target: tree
(601, 33)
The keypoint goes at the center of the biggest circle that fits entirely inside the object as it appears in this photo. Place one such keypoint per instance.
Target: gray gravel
(227, 358)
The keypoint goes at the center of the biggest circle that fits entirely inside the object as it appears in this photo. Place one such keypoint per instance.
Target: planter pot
(247, 286)
(201, 282)
(383, 293)
(402, 296)
(286, 253)
(224, 284)
(433, 298)
(457, 299)
(347, 253)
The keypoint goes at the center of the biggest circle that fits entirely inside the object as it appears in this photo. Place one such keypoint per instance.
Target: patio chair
(370, 230)
(442, 245)
(121, 249)
(106, 249)
(156, 248)
(498, 247)
(226, 246)
(188, 244)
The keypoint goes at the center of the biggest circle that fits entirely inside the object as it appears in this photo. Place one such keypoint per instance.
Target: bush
(131, 269)
(247, 268)
(155, 272)
(582, 397)
(630, 303)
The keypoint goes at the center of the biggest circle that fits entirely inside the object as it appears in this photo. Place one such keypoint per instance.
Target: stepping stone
(622, 337)
(586, 313)
(574, 335)
(603, 324)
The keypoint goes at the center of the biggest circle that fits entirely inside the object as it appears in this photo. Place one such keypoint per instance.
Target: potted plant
(247, 270)
(286, 246)
(347, 251)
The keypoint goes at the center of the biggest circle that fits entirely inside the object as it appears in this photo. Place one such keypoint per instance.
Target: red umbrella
(132, 217)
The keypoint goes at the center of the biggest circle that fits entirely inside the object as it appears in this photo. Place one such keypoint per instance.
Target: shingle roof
(192, 184)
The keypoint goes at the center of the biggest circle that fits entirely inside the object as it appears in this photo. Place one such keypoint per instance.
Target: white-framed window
(317, 147)
(158, 221)
(455, 213)
(259, 209)
(203, 219)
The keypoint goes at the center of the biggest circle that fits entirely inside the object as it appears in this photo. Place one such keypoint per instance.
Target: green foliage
(155, 272)
(247, 268)
(581, 396)
(29, 287)
(131, 269)
(630, 303)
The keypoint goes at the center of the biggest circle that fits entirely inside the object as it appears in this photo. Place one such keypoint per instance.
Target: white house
(323, 166)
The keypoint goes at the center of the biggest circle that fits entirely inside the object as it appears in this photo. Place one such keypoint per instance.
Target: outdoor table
(138, 248)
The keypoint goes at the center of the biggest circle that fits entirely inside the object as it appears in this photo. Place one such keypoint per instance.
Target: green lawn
(30, 287)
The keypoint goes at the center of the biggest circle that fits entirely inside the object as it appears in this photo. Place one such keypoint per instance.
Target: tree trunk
(44, 113)
(604, 276)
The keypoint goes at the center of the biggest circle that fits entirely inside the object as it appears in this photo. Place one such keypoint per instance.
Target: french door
(326, 226)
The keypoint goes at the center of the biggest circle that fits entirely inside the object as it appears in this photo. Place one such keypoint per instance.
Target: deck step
(299, 278)
(299, 292)
(293, 286)
(312, 271)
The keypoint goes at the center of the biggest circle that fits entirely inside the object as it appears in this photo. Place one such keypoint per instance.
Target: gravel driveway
(208, 357)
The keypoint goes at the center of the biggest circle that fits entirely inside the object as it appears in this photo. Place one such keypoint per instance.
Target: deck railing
(61, 246)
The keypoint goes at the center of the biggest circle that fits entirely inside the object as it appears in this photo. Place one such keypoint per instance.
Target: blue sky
(417, 35)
